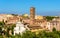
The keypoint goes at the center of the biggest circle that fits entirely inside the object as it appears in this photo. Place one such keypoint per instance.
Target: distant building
(19, 28)
(12, 20)
(32, 15)
(39, 17)
(55, 23)
(5, 17)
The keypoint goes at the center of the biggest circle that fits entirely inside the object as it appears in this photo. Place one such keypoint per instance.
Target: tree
(49, 18)
(28, 34)
(2, 23)
(15, 14)
(54, 29)
(0, 30)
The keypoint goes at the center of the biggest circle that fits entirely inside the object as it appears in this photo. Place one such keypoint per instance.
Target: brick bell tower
(32, 15)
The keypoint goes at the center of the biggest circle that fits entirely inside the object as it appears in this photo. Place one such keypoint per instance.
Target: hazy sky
(43, 7)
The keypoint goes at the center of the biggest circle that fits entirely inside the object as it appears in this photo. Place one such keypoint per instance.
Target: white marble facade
(20, 28)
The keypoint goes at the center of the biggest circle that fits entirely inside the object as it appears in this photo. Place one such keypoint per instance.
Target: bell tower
(32, 15)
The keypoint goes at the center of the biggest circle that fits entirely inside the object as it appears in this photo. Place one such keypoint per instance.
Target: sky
(42, 7)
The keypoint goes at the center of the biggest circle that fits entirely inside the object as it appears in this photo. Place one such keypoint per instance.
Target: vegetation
(14, 14)
(29, 34)
(54, 29)
(49, 18)
(2, 23)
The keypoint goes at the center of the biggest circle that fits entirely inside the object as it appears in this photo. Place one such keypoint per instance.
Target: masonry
(32, 15)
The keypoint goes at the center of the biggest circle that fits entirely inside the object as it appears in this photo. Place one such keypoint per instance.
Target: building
(32, 15)
(12, 20)
(55, 23)
(39, 17)
(5, 17)
(19, 28)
